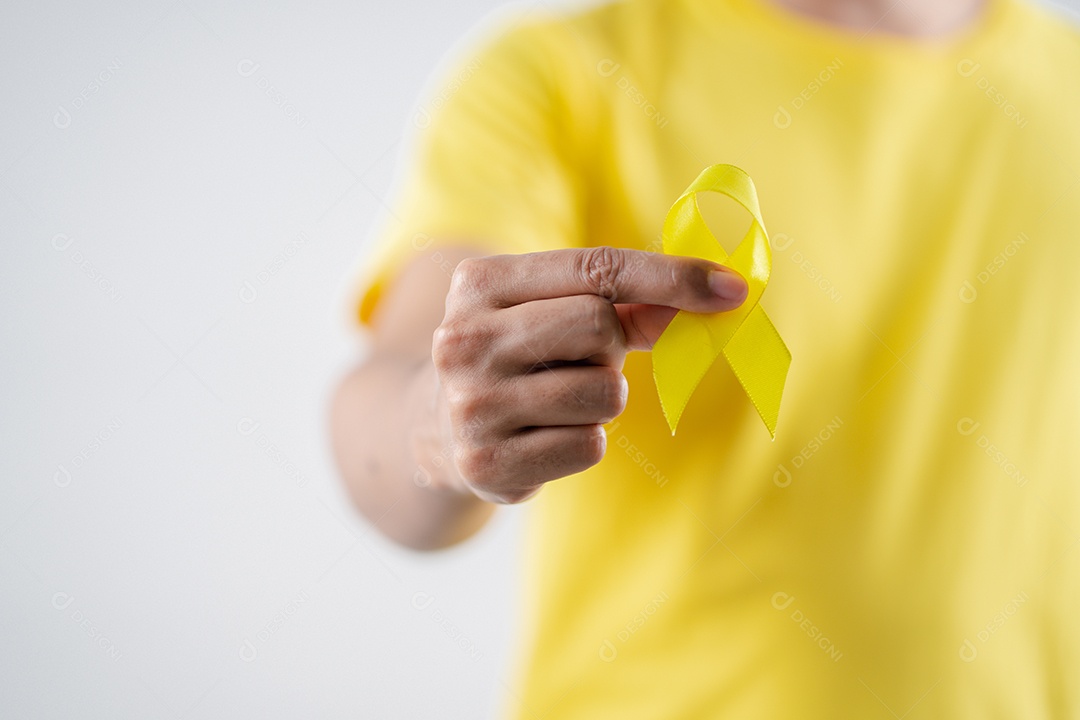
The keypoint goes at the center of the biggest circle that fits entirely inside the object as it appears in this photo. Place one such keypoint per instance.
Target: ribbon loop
(747, 338)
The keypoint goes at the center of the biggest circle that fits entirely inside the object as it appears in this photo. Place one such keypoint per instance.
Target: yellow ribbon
(746, 336)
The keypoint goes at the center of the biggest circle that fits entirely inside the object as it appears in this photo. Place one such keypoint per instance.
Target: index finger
(620, 275)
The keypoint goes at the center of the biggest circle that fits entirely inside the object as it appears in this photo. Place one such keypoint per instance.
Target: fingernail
(728, 284)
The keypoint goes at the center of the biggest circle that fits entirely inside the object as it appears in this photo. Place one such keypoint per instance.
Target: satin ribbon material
(691, 343)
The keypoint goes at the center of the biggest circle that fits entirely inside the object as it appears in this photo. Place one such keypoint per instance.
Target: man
(908, 546)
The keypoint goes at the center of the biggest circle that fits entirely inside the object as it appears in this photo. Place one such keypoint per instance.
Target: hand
(529, 355)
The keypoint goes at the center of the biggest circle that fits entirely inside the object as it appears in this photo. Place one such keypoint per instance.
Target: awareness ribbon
(691, 343)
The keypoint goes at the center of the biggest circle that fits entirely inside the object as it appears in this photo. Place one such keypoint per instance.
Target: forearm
(390, 448)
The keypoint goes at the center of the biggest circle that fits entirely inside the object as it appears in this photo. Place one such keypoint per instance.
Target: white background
(186, 192)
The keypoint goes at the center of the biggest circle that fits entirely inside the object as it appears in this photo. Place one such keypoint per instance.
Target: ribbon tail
(760, 360)
(684, 353)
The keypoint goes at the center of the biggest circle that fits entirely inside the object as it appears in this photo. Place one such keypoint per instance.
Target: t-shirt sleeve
(493, 165)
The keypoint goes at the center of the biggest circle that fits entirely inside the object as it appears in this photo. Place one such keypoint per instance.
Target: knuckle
(598, 316)
(459, 342)
(470, 431)
(467, 410)
(675, 279)
(593, 445)
(445, 343)
(471, 465)
(613, 393)
(483, 469)
(471, 276)
(478, 466)
(600, 267)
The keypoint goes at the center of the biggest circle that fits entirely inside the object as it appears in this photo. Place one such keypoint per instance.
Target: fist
(530, 352)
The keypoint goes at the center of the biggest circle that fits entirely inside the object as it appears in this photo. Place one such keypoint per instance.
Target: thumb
(643, 323)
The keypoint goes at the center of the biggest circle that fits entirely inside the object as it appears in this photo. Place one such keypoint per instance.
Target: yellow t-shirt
(909, 546)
